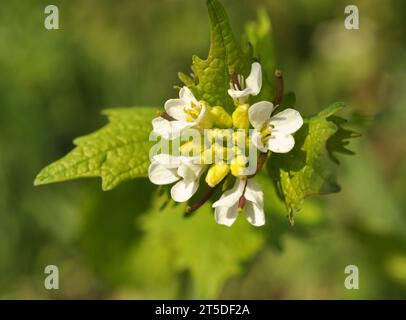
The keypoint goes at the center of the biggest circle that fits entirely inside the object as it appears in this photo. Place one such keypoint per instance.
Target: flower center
(193, 111)
(266, 132)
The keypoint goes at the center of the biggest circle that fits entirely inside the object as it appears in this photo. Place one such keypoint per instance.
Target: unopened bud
(237, 165)
(240, 117)
(217, 173)
(191, 149)
(206, 122)
(221, 118)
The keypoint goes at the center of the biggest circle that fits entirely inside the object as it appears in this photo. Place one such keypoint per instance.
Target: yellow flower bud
(214, 153)
(224, 136)
(217, 173)
(210, 134)
(221, 118)
(191, 149)
(240, 138)
(207, 120)
(240, 117)
(220, 152)
(207, 156)
(237, 164)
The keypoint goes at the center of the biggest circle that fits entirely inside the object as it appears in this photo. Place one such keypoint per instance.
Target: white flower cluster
(268, 132)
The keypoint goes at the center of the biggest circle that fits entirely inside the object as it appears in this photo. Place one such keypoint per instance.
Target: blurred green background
(54, 84)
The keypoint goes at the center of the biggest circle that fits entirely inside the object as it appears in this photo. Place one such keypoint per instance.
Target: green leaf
(209, 253)
(307, 169)
(117, 152)
(259, 34)
(211, 77)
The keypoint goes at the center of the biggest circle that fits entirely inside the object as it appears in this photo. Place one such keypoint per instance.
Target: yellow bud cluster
(224, 153)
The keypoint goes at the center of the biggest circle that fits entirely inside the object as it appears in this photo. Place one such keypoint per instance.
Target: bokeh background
(53, 85)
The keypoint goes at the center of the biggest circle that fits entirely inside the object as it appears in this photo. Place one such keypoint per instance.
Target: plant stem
(192, 208)
(167, 116)
(279, 88)
(263, 156)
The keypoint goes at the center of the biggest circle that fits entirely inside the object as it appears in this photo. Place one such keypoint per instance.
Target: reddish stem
(192, 208)
(167, 116)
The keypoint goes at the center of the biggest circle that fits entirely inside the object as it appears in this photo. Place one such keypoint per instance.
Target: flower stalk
(279, 88)
(199, 203)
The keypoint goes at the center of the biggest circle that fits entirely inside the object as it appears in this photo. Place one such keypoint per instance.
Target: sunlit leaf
(116, 153)
(211, 77)
(307, 169)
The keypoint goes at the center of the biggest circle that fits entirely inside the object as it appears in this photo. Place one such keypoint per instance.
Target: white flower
(169, 130)
(186, 111)
(228, 206)
(274, 133)
(166, 169)
(186, 108)
(252, 85)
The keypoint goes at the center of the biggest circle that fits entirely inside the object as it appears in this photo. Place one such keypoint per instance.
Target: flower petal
(175, 108)
(187, 96)
(184, 190)
(169, 130)
(254, 193)
(226, 215)
(178, 126)
(255, 214)
(231, 197)
(288, 121)
(254, 80)
(161, 127)
(281, 142)
(239, 94)
(190, 172)
(167, 160)
(160, 175)
(259, 113)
